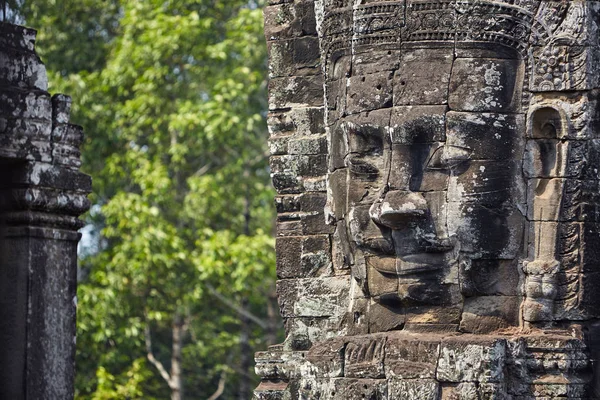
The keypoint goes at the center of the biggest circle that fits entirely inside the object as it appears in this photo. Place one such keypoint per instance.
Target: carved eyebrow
(364, 138)
(359, 165)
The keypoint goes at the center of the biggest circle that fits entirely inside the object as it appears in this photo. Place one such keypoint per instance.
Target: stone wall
(436, 164)
(42, 193)
(298, 146)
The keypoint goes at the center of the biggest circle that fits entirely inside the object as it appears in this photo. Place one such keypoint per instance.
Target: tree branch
(202, 170)
(220, 387)
(241, 310)
(152, 359)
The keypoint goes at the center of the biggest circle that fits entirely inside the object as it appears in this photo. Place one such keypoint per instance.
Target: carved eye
(362, 167)
(448, 157)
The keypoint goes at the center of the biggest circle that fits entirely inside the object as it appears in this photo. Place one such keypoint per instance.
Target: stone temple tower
(42, 193)
(437, 164)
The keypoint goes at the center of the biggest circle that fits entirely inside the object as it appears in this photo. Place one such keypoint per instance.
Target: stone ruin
(437, 169)
(42, 193)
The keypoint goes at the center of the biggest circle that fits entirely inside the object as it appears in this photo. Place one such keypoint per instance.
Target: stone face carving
(42, 193)
(459, 190)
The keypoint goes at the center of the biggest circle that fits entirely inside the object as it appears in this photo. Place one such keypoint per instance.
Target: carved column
(42, 193)
(459, 257)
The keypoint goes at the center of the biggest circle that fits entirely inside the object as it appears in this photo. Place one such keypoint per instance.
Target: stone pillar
(42, 193)
(448, 250)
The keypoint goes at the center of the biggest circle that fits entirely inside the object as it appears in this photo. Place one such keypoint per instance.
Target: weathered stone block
(289, 251)
(366, 139)
(335, 100)
(411, 356)
(462, 391)
(323, 297)
(303, 332)
(343, 389)
(280, 122)
(589, 240)
(289, 228)
(289, 19)
(423, 77)
(310, 145)
(488, 231)
(26, 104)
(486, 136)
(591, 292)
(363, 357)
(278, 145)
(384, 318)
(369, 92)
(382, 284)
(295, 166)
(303, 121)
(315, 184)
(280, 365)
(295, 57)
(491, 277)
(418, 124)
(472, 359)
(433, 318)
(22, 69)
(312, 202)
(327, 358)
(286, 183)
(485, 84)
(413, 389)
(487, 314)
(273, 390)
(315, 224)
(296, 91)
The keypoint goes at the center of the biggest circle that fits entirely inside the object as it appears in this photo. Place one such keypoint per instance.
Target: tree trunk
(245, 356)
(176, 380)
(272, 319)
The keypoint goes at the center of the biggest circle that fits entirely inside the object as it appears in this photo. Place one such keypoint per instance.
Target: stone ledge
(494, 366)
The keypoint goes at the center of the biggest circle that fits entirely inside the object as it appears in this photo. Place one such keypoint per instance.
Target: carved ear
(548, 156)
(546, 123)
(546, 129)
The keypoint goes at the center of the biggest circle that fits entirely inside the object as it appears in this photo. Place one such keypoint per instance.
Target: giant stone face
(429, 173)
(460, 254)
(433, 163)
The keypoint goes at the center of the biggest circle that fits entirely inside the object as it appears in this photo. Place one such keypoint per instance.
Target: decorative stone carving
(460, 196)
(42, 193)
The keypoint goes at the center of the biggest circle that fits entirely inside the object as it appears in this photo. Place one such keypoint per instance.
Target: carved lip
(382, 246)
(420, 262)
(438, 245)
(408, 264)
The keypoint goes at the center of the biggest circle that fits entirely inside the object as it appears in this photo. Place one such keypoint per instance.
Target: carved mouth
(379, 246)
(409, 264)
(384, 246)
(419, 263)
(438, 245)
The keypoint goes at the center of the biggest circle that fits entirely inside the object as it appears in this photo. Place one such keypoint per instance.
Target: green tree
(177, 293)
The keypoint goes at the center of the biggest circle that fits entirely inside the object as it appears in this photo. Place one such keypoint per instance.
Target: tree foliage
(171, 95)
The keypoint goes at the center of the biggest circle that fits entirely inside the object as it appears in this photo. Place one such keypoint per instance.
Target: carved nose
(398, 208)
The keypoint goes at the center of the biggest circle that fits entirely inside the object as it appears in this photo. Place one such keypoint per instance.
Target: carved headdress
(552, 36)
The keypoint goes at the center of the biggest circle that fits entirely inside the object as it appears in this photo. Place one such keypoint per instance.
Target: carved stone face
(462, 148)
(426, 172)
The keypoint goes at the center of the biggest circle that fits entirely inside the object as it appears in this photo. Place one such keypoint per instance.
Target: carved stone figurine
(453, 154)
